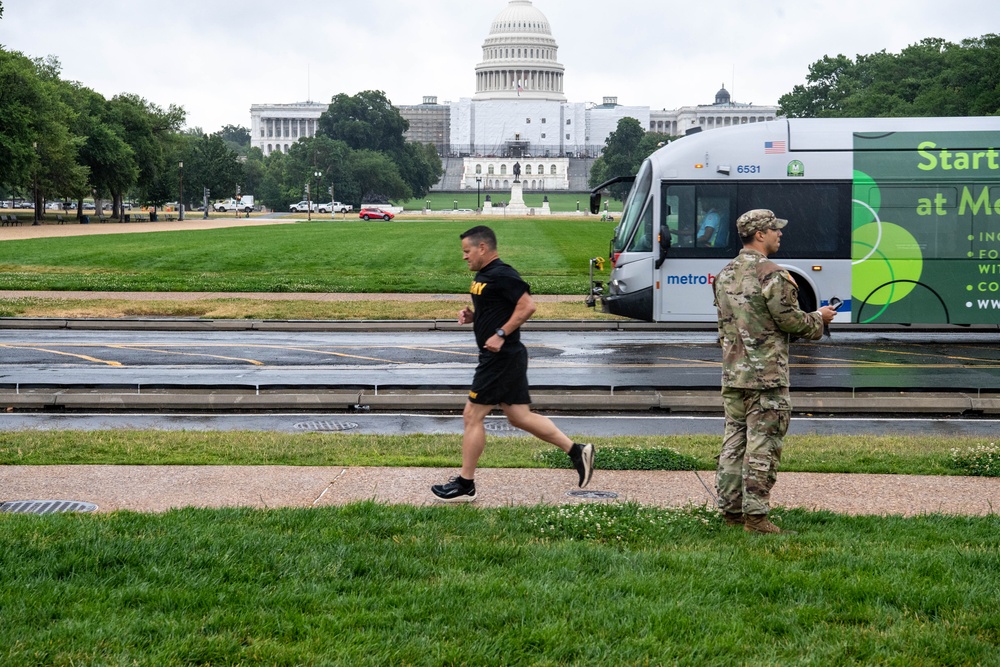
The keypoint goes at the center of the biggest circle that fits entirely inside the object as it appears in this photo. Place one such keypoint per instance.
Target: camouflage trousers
(756, 423)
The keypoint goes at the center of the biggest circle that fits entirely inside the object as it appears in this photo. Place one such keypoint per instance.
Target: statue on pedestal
(517, 172)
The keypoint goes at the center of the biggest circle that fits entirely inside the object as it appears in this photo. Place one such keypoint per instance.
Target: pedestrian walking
(757, 304)
(501, 303)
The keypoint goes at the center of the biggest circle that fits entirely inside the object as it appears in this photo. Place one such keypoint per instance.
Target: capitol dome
(520, 57)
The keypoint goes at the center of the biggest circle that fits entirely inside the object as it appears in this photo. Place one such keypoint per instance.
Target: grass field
(368, 584)
(420, 256)
(929, 455)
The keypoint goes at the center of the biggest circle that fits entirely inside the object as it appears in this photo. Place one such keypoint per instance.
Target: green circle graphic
(894, 257)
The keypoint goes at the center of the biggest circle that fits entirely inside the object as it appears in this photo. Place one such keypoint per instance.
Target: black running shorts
(501, 378)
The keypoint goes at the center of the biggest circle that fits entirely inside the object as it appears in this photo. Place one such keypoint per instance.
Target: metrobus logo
(691, 279)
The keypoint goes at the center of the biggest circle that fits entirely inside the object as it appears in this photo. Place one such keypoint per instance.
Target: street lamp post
(479, 183)
(317, 175)
(34, 184)
(180, 191)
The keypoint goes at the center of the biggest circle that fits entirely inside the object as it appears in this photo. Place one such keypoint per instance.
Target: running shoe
(454, 491)
(582, 457)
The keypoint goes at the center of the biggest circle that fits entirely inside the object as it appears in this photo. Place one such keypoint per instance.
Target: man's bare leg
(473, 436)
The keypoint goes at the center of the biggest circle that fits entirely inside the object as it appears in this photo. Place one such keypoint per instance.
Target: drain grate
(499, 425)
(593, 495)
(326, 426)
(46, 506)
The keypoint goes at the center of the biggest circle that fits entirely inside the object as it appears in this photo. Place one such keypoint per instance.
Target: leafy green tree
(369, 121)
(253, 173)
(108, 159)
(376, 175)
(153, 134)
(624, 151)
(272, 191)
(236, 137)
(209, 162)
(420, 166)
(930, 78)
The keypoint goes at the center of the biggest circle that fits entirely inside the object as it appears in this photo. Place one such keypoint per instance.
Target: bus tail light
(614, 259)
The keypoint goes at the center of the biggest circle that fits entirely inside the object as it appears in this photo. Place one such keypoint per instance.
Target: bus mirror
(665, 241)
(595, 203)
(664, 247)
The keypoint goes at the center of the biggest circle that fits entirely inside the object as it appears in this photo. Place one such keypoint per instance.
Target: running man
(501, 303)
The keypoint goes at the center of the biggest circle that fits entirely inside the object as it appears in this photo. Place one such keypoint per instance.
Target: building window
(543, 120)
(527, 120)
(479, 168)
(503, 169)
(527, 170)
(569, 122)
(543, 135)
(490, 170)
(541, 170)
(553, 170)
(567, 136)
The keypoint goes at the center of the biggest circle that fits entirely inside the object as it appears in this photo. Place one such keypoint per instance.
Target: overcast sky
(217, 57)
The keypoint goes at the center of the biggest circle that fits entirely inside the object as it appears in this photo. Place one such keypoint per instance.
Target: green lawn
(591, 584)
(930, 455)
(414, 255)
(367, 584)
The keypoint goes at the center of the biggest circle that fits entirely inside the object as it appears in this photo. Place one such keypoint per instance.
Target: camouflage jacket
(757, 303)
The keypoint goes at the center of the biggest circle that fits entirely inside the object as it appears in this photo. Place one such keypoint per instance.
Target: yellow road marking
(65, 354)
(255, 362)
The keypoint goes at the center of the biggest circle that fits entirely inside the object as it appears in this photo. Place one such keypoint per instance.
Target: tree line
(933, 77)
(62, 141)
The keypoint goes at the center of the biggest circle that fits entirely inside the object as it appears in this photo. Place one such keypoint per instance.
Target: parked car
(243, 204)
(302, 207)
(334, 207)
(369, 213)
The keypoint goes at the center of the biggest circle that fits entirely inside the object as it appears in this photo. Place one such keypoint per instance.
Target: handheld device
(835, 303)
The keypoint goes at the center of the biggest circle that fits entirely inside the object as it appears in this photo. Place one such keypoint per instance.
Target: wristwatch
(501, 333)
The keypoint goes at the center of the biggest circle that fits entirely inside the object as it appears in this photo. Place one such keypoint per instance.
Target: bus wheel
(807, 299)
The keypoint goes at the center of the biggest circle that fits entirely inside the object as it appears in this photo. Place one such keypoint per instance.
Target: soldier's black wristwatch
(501, 333)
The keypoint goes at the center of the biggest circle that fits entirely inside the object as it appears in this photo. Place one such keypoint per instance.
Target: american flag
(774, 147)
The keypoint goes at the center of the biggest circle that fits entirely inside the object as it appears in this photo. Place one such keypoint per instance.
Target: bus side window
(680, 215)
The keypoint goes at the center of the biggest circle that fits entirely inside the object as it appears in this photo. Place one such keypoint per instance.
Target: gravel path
(160, 488)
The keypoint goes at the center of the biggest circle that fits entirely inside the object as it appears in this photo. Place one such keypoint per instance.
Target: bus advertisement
(898, 217)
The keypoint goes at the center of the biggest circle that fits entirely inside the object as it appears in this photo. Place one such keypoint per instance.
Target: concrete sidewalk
(160, 488)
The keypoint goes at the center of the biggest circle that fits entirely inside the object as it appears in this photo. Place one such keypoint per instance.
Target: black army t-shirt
(495, 291)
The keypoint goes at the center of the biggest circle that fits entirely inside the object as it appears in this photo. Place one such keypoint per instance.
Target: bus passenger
(501, 304)
(707, 228)
(757, 305)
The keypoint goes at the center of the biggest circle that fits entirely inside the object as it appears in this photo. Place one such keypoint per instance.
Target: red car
(369, 213)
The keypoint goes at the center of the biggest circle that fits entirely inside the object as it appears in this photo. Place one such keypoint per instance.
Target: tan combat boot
(734, 518)
(759, 523)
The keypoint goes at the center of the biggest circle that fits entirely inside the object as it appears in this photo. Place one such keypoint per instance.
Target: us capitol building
(519, 113)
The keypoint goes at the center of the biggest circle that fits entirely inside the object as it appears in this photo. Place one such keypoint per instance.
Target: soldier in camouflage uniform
(757, 303)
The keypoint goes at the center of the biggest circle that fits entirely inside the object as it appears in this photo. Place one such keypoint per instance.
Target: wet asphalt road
(966, 362)
(64, 359)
